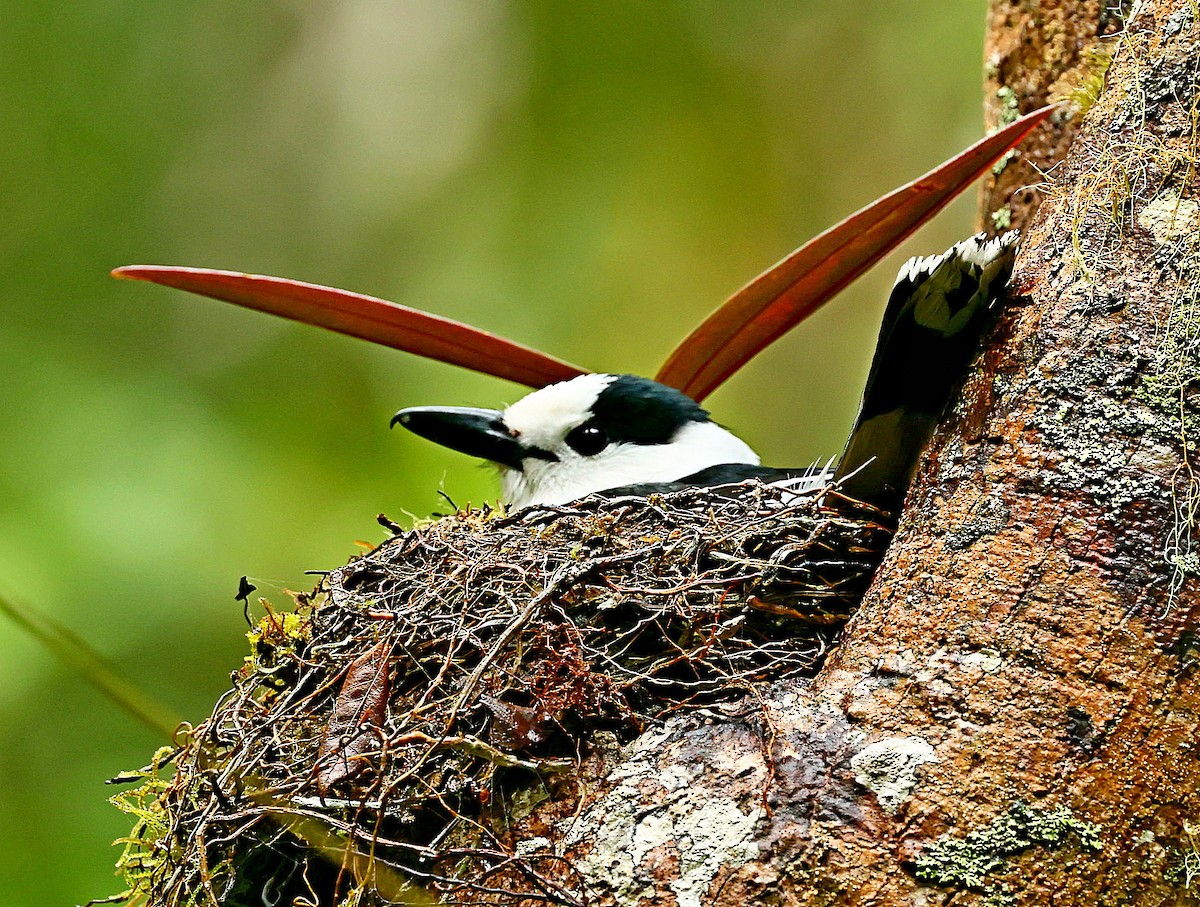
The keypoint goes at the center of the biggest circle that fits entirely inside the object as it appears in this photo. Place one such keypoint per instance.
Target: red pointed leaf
(780, 298)
(367, 317)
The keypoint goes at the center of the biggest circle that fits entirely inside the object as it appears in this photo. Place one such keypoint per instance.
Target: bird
(620, 434)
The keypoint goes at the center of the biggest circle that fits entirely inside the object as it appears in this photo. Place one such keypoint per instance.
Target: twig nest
(383, 736)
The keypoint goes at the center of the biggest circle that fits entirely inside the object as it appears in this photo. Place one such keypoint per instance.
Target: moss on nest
(377, 741)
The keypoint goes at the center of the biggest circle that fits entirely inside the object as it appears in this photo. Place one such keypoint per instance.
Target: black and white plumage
(622, 434)
(592, 433)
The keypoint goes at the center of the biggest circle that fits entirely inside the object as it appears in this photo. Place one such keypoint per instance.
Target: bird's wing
(801, 479)
(935, 318)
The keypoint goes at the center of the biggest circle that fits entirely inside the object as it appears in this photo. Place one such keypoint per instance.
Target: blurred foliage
(590, 178)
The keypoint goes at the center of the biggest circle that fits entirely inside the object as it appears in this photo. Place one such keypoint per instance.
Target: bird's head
(588, 434)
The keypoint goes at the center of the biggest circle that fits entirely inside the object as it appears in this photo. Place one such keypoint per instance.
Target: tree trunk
(1013, 709)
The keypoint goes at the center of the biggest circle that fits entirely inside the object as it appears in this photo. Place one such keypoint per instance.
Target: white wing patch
(975, 250)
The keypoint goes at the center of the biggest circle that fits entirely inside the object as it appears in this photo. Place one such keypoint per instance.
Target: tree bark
(1035, 52)
(1013, 710)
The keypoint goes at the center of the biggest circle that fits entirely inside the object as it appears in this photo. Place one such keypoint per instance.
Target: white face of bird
(589, 434)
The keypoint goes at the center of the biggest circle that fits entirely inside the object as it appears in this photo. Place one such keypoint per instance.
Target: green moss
(1007, 99)
(1085, 83)
(142, 853)
(967, 862)
(1177, 365)
(277, 636)
(1002, 218)
(1000, 897)
(1186, 870)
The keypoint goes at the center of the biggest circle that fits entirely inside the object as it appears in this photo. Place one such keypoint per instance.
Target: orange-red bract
(783, 296)
(373, 319)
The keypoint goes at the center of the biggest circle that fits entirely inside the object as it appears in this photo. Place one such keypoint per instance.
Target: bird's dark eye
(587, 440)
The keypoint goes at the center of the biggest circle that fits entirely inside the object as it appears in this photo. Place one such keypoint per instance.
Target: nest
(384, 736)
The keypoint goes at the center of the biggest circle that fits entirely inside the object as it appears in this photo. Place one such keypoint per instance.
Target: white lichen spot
(888, 768)
(712, 833)
(530, 846)
(986, 660)
(674, 778)
(707, 831)
(1168, 218)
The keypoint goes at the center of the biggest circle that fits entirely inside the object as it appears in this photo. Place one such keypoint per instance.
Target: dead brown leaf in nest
(356, 723)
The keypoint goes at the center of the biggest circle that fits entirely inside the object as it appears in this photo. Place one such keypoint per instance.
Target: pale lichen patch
(888, 768)
(652, 811)
(531, 846)
(987, 661)
(1169, 218)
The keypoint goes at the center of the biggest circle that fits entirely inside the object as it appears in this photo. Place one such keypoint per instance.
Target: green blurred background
(588, 177)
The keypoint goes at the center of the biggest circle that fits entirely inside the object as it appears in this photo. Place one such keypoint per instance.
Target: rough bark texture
(1038, 53)
(1011, 717)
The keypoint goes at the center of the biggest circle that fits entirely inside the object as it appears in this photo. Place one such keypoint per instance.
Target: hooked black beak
(477, 432)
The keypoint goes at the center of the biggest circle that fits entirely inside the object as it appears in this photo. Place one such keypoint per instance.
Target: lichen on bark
(968, 861)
